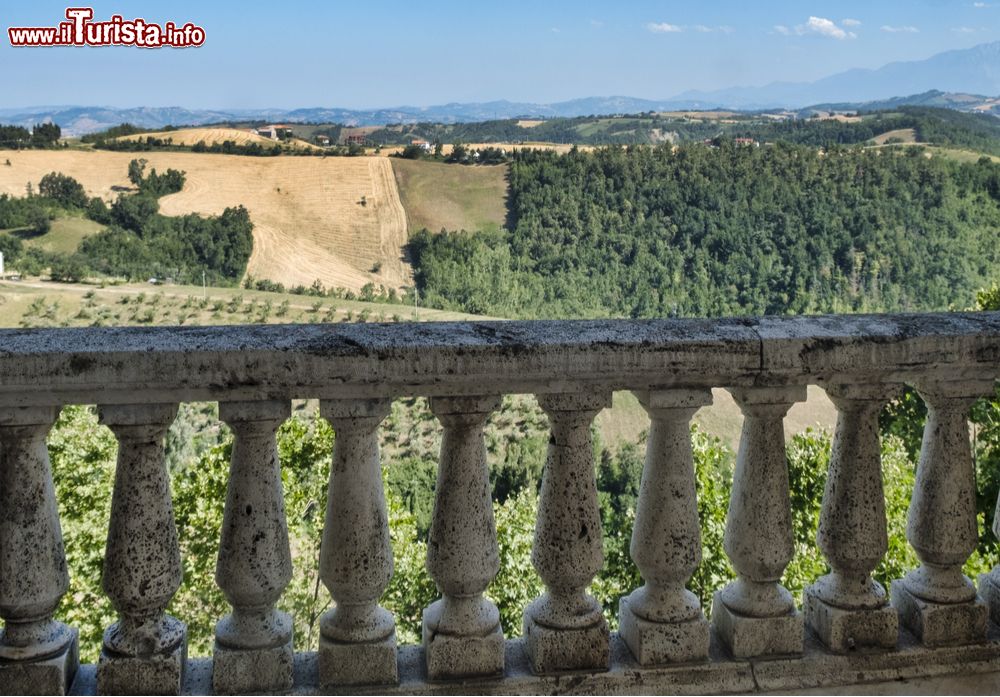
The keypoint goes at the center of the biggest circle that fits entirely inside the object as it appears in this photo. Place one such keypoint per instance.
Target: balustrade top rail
(121, 365)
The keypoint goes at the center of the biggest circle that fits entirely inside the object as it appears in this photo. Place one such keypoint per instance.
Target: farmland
(436, 195)
(192, 136)
(338, 220)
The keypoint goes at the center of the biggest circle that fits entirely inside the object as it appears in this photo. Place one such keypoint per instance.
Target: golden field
(192, 136)
(334, 219)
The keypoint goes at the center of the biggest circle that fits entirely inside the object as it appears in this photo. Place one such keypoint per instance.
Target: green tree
(63, 189)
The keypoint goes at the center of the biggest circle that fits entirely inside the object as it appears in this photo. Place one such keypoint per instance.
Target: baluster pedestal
(936, 601)
(662, 621)
(755, 615)
(564, 629)
(38, 655)
(145, 651)
(847, 609)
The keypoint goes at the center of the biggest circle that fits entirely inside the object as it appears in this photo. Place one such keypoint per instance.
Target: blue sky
(374, 53)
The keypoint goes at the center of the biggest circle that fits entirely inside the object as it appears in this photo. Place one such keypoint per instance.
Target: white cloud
(982, 5)
(596, 23)
(722, 29)
(906, 29)
(664, 28)
(555, 30)
(963, 30)
(817, 25)
(824, 27)
(850, 22)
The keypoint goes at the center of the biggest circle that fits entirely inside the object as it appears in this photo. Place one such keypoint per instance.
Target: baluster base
(989, 591)
(843, 630)
(52, 675)
(751, 637)
(940, 624)
(553, 650)
(159, 674)
(453, 656)
(358, 663)
(236, 671)
(658, 643)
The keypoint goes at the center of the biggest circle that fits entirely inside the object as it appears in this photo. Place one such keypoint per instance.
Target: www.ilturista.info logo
(81, 31)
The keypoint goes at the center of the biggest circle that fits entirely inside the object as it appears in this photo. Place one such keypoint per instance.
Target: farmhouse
(273, 131)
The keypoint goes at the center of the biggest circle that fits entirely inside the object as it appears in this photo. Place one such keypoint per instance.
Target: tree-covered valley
(707, 231)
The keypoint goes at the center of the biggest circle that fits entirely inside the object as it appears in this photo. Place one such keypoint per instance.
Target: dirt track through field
(335, 219)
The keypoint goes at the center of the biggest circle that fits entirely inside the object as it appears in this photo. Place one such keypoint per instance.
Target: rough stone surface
(454, 657)
(656, 643)
(127, 364)
(158, 674)
(755, 615)
(357, 663)
(142, 562)
(852, 527)
(940, 624)
(46, 676)
(941, 521)
(253, 647)
(564, 627)
(461, 632)
(33, 572)
(358, 637)
(750, 637)
(911, 669)
(236, 671)
(662, 621)
(844, 630)
(561, 650)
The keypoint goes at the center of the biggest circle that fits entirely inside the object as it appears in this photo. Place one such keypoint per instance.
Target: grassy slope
(173, 305)
(64, 237)
(455, 197)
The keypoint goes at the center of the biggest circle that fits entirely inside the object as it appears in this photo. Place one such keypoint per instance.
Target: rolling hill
(335, 219)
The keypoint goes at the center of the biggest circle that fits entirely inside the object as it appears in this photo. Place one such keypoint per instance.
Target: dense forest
(653, 232)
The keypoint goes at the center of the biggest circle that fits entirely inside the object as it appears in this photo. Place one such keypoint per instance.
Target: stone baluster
(755, 615)
(38, 655)
(253, 644)
(462, 636)
(662, 621)
(144, 652)
(846, 608)
(564, 628)
(358, 637)
(936, 601)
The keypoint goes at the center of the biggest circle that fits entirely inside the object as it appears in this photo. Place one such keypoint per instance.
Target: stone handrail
(137, 377)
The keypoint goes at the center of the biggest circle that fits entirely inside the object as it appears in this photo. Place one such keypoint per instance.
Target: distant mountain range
(954, 79)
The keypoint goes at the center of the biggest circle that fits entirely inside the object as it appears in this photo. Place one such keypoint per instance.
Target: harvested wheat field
(309, 220)
(192, 136)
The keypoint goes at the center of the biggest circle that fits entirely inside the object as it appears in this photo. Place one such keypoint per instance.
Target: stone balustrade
(845, 628)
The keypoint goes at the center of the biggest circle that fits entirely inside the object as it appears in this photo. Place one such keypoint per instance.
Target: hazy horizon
(386, 55)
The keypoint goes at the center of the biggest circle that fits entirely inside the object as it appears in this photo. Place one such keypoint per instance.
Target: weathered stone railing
(848, 628)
